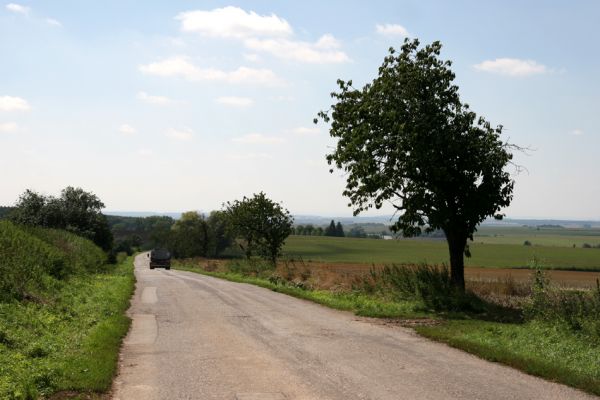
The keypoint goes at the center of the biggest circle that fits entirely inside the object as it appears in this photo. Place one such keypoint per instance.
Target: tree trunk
(456, 246)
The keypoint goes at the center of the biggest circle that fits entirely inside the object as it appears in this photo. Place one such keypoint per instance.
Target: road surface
(197, 337)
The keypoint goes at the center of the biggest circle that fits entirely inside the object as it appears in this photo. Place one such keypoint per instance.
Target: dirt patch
(405, 323)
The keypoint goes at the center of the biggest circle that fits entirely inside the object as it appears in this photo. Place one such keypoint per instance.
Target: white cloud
(234, 101)
(233, 22)
(252, 57)
(249, 156)
(53, 22)
(391, 30)
(17, 8)
(152, 99)
(323, 51)
(127, 129)
(576, 132)
(180, 134)
(511, 67)
(8, 127)
(9, 103)
(257, 138)
(145, 152)
(183, 68)
(304, 131)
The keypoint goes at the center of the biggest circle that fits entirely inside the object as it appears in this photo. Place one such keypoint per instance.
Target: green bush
(29, 257)
(578, 310)
(427, 283)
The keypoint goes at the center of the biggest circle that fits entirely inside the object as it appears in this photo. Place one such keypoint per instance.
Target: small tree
(406, 138)
(262, 224)
(219, 235)
(189, 236)
(330, 230)
(339, 230)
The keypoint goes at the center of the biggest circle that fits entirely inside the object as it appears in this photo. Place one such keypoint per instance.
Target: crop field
(503, 253)
(562, 237)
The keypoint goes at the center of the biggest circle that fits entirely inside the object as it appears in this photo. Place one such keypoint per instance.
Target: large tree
(407, 138)
(262, 224)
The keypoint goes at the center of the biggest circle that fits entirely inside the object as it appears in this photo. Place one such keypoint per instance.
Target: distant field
(542, 237)
(372, 251)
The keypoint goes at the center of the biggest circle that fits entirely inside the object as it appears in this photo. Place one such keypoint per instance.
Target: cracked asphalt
(197, 337)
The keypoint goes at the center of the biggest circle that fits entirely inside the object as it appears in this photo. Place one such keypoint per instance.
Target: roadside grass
(551, 351)
(358, 303)
(549, 348)
(435, 251)
(69, 339)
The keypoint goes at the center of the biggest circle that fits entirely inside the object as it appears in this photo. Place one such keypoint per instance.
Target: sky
(184, 105)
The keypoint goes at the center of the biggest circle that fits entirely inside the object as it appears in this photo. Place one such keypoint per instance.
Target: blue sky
(179, 105)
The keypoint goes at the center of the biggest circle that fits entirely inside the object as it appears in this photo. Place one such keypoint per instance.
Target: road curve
(197, 337)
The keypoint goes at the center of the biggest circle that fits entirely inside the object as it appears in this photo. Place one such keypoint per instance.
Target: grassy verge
(360, 304)
(547, 349)
(538, 348)
(70, 340)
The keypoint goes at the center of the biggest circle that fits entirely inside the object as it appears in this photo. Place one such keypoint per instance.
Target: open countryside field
(371, 251)
(564, 237)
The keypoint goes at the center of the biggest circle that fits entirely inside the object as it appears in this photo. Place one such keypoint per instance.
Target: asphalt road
(197, 337)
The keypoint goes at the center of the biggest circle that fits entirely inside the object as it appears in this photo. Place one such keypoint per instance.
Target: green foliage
(30, 256)
(68, 342)
(408, 139)
(194, 235)
(5, 211)
(189, 236)
(219, 235)
(262, 224)
(578, 310)
(24, 260)
(428, 283)
(76, 211)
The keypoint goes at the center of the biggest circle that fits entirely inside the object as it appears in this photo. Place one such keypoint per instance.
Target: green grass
(68, 341)
(549, 350)
(368, 251)
(358, 303)
(561, 237)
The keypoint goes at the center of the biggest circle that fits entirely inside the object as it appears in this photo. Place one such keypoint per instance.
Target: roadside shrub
(527, 243)
(430, 284)
(251, 266)
(578, 310)
(586, 246)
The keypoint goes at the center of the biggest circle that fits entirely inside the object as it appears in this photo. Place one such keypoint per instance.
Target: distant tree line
(332, 229)
(256, 225)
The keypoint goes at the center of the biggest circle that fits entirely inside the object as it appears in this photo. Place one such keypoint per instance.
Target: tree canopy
(262, 224)
(75, 210)
(407, 139)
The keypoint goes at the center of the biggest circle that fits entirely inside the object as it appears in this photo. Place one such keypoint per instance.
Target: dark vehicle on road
(160, 258)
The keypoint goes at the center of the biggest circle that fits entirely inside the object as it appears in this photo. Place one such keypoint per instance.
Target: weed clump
(427, 283)
(578, 310)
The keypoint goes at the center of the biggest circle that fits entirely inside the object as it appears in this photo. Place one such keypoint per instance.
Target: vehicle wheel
(151, 267)
(167, 267)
